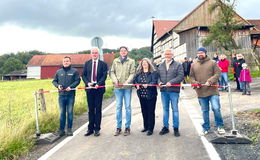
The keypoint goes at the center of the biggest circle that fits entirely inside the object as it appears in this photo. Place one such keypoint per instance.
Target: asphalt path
(138, 145)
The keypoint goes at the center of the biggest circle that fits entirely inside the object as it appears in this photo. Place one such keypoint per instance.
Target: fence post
(42, 100)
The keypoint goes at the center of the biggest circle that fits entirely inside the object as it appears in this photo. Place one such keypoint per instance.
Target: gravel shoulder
(245, 121)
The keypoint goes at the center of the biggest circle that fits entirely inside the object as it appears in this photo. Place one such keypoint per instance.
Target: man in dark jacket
(94, 75)
(206, 72)
(65, 79)
(170, 72)
(186, 68)
(238, 67)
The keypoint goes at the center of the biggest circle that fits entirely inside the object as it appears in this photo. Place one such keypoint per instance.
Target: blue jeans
(123, 94)
(66, 103)
(215, 106)
(223, 79)
(242, 85)
(173, 98)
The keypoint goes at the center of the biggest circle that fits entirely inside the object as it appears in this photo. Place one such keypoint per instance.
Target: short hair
(123, 47)
(67, 57)
(240, 55)
(171, 50)
(94, 48)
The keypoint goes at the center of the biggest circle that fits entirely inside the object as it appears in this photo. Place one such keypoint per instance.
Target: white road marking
(197, 120)
(66, 140)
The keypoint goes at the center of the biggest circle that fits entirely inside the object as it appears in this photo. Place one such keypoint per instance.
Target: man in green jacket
(122, 72)
(206, 72)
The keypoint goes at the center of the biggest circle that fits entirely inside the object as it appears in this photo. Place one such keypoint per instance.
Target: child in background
(245, 77)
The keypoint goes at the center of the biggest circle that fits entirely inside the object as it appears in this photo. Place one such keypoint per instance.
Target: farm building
(45, 66)
(15, 75)
(187, 35)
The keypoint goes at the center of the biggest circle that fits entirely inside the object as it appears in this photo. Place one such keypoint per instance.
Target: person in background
(238, 67)
(186, 68)
(94, 74)
(223, 63)
(206, 72)
(65, 79)
(170, 72)
(122, 72)
(233, 59)
(215, 57)
(190, 61)
(245, 77)
(146, 75)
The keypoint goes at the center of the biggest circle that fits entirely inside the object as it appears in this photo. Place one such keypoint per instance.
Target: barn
(187, 35)
(45, 66)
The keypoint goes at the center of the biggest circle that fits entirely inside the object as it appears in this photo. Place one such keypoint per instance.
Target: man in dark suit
(94, 75)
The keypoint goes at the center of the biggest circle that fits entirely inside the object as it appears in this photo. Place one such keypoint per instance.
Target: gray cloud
(88, 18)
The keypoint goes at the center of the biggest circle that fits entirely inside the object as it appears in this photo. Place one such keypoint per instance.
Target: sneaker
(221, 130)
(127, 132)
(204, 132)
(164, 131)
(118, 132)
(61, 133)
(69, 132)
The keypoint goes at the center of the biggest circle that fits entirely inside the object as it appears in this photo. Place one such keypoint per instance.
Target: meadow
(17, 114)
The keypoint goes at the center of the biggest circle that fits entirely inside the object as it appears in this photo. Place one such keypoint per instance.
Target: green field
(17, 114)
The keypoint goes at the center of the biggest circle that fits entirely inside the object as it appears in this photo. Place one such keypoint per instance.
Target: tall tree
(221, 33)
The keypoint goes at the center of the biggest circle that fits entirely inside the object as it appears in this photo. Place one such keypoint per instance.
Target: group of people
(146, 78)
(240, 70)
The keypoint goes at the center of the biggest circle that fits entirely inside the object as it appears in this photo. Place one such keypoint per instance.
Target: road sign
(97, 42)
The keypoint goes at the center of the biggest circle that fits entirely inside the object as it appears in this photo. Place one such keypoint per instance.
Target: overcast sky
(67, 26)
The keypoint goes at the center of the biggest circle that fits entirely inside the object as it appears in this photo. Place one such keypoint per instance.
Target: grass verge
(17, 114)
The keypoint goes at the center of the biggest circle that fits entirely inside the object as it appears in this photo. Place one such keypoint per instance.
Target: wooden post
(42, 101)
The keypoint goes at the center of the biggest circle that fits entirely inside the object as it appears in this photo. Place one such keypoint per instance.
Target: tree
(12, 64)
(140, 53)
(221, 33)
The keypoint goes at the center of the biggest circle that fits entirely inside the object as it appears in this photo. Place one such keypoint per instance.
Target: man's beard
(201, 57)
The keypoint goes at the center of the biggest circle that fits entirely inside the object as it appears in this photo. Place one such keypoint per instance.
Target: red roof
(36, 60)
(255, 22)
(163, 26)
(56, 59)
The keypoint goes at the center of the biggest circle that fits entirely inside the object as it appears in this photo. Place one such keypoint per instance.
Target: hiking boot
(221, 130)
(118, 131)
(176, 132)
(61, 133)
(204, 132)
(127, 132)
(164, 131)
(69, 132)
